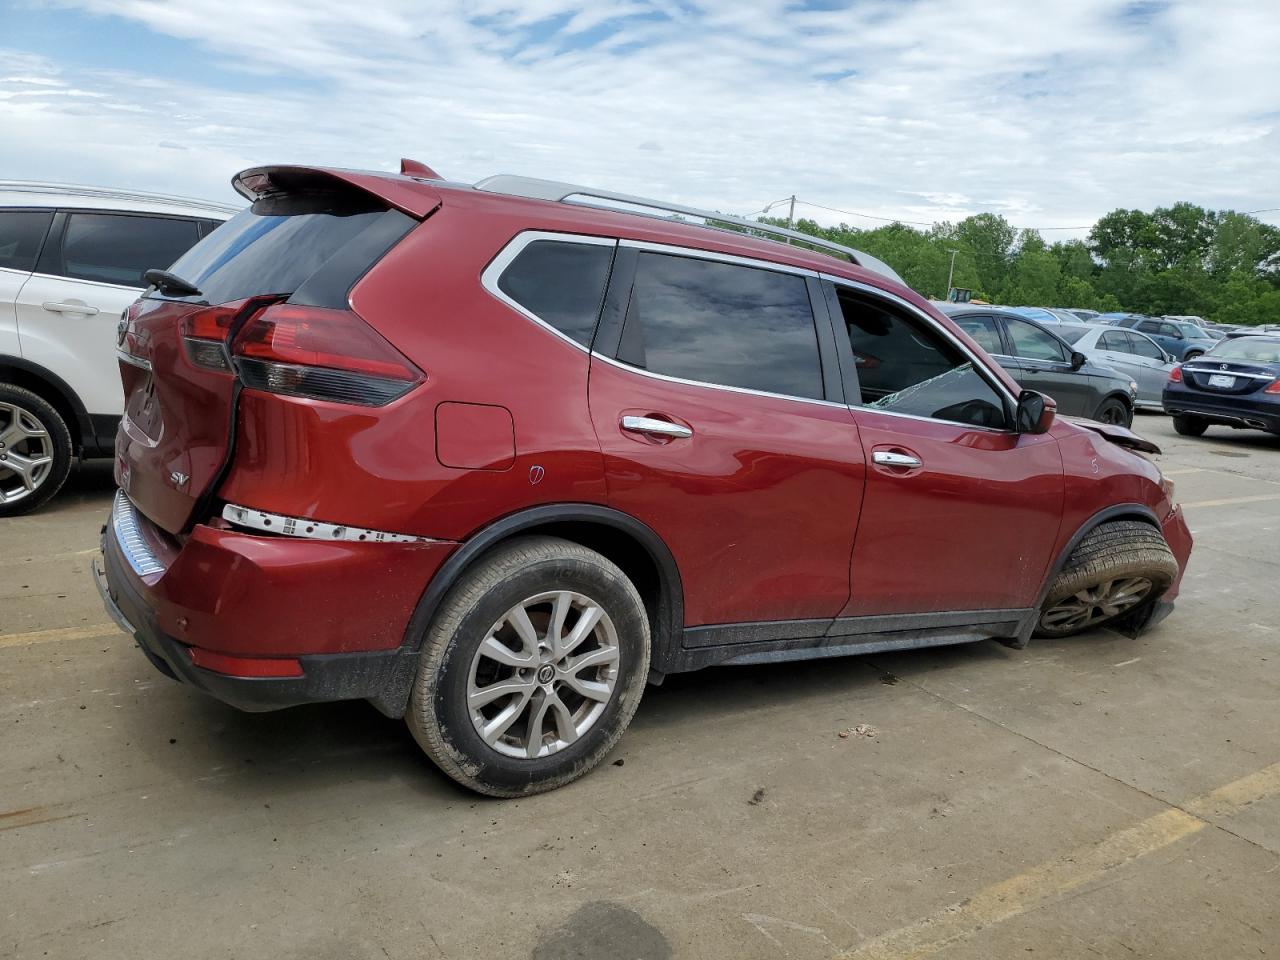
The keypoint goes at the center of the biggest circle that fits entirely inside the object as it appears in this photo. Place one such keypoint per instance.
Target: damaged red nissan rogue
(496, 456)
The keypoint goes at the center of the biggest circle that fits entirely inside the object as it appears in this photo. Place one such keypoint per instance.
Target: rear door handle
(887, 458)
(655, 427)
(70, 306)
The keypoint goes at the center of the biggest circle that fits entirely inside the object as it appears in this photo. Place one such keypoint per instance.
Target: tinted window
(1071, 334)
(561, 283)
(1032, 342)
(1144, 347)
(905, 366)
(280, 242)
(21, 233)
(1114, 340)
(983, 331)
(1150, 326)
(724, 324)
(115, 248)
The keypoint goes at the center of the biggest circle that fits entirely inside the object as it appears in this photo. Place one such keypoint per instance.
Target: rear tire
(1188, 426)
(1192, 354)
(35, 450)
(1113, 573)
(511, 621)
(1115, 411)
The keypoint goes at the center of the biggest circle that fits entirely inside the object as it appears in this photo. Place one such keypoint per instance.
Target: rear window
(21, 234)
(1258, 349)
(280, 244)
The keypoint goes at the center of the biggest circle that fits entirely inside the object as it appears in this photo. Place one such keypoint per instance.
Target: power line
(926, 223)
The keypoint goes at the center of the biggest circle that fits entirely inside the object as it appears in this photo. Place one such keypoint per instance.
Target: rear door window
(21, 234)
(119, 248)
(724, 324)
(1114, 340)
(562, 283)
(1149, 326)
(1033, 343)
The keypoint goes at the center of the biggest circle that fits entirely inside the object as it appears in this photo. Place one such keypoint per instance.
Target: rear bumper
(1240, 411)
(144, 606)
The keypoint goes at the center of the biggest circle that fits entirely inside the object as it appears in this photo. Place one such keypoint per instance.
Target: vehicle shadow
(268, 757)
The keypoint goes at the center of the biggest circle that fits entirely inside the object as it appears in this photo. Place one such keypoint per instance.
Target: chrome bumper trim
(310, 529)
(124, 523)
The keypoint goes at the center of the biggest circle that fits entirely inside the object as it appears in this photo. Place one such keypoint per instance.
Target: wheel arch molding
(55, 390)
(631, 544)
(1117, 511)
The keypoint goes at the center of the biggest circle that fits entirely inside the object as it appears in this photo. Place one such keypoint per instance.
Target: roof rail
(558, 192)
(110, 193)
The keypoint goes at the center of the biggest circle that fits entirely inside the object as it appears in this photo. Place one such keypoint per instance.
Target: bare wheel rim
(26, 453)
(1092, 605)
(543, 674)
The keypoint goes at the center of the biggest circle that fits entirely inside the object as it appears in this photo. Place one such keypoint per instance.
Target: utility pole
(791, 214)
(952, 272)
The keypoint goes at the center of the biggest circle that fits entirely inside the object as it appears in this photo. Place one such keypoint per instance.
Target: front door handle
(70, 306)
(655, 427)
(887, 458)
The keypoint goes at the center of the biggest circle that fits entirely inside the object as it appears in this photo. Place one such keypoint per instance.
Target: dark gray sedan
(1041, 360)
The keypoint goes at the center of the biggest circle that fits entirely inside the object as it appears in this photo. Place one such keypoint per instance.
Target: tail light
(323, 354)
(1175, 375)
(204, 337)
(1273, 387)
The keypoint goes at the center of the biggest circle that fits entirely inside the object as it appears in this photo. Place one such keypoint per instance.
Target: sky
(1049, 114)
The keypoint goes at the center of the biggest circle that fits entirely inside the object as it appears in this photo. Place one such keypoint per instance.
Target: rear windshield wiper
(170, 284)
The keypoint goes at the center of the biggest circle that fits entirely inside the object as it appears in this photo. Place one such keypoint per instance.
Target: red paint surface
(245, 595)
(475, 436)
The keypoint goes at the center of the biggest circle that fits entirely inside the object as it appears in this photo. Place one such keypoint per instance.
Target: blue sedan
(1236, 384)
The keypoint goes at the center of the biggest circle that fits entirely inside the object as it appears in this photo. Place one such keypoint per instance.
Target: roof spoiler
(407, 194)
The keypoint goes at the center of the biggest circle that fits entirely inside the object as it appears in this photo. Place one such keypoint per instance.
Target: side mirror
(1035, 412)
(1078, 359)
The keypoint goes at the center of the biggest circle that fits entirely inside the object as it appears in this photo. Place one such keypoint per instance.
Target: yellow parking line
(64, 633)
(1258, 498)
(1051, 879)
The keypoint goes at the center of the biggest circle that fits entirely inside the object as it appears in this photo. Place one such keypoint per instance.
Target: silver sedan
(1131, 353)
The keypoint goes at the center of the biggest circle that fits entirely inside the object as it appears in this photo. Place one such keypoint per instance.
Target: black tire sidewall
(60, 439)
(1127, 418)
(510, 774)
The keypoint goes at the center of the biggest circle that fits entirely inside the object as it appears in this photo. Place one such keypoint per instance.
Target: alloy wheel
(26, 453)
(1094, 605)
(543, 674)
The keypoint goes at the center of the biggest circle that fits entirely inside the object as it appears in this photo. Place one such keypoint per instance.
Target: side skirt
(775, 642)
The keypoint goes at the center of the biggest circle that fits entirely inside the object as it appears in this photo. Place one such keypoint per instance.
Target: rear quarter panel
(378, 467)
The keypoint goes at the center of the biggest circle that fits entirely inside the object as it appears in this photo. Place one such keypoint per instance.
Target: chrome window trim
(497, 266)
(983, 370)
(696, 253)
(713, 386)
(92, 283)
(136, 552)
(492, 273)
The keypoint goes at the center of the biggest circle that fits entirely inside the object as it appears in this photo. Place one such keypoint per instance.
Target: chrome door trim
(695, 253)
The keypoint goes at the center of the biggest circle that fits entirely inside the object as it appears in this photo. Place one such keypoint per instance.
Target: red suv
(494, 457)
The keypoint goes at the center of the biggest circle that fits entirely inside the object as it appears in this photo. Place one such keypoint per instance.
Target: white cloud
(1048, 114)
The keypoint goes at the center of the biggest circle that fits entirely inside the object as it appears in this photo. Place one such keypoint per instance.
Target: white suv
(71, 260)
